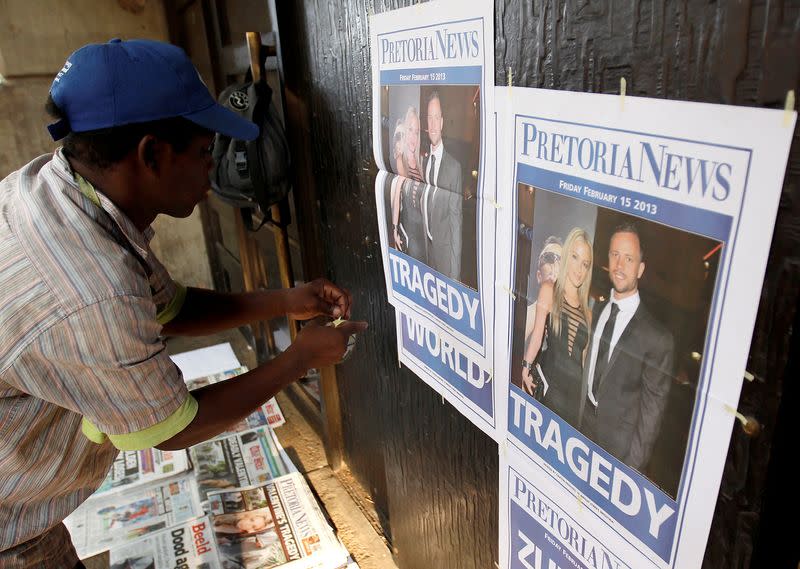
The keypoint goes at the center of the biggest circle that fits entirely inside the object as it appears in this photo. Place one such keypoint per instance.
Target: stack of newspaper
(234, 501)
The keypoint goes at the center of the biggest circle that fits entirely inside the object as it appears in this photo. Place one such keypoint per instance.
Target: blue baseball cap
(134, 81)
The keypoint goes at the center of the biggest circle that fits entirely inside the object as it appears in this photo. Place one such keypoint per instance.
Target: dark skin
(155, 179)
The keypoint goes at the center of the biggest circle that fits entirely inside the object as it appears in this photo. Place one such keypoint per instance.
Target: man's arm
(221, 405)
(207, 312)
(656, 381)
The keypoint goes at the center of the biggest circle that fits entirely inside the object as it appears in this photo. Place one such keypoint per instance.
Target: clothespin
(623, 86)
(750, 426)
(510, 82)
(508, 291)
(494, 203)
(788, 108)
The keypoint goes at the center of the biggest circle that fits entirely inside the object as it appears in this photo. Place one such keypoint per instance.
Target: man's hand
(318, 298)
(325, 345)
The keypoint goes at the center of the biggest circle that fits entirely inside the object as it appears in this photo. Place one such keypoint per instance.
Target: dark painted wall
(432, 475)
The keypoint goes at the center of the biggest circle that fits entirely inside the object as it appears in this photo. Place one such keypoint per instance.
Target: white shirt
(627, 308)
(431, 178)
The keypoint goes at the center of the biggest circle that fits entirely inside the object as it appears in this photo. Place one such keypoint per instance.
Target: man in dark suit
(629, 365)
(443, 200)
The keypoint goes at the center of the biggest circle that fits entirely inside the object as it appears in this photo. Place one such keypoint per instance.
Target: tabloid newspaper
(135, 467)
(187, 546)
(269, 413)
(277, 524)
(238, 459)
(115, 518)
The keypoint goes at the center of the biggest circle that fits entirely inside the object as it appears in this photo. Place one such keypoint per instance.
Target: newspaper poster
(268, 414)
(634, 239)
(188, 545)
(433, 141)
(134, 467)
(448, 368)
(273, 524)
(111, 519)
(547, 528)
(238, 459)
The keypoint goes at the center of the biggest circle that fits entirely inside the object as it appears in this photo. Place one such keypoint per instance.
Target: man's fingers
(349, 299)
(355, 327)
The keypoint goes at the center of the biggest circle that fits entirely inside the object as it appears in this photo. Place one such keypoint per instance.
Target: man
(629, 366)
(443, 200)
(83, 369)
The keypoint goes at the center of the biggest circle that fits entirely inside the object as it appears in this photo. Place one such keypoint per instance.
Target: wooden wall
(432, 475)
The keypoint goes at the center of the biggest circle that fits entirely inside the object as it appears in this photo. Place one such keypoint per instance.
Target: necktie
(432, 175)
(602, 351)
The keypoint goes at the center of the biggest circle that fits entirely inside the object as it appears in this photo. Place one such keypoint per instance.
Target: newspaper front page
(634, 239)
(188, 545)
(433, 142)
(115, 518)
(277, 524)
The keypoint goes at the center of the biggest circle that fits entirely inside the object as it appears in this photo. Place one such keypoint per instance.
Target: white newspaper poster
(433, 140)
(190, 545)
(634, 238)
(112, 519)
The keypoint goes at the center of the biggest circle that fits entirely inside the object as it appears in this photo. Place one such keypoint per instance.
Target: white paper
(206, 361)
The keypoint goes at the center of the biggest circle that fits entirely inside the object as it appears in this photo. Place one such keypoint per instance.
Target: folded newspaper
(135, 467)
(115, 518)
(188, 545)
(277, 524)
(239, 459)
(269, 413)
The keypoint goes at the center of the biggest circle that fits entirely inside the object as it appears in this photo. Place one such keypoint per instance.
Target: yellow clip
(338, 322)
(788, 108)
(509, 292)
(749, 376)
(494, 203)
(623, 86)
(737, 414)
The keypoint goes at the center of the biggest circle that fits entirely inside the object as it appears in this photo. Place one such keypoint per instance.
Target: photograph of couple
(431, 142)
(610, 327)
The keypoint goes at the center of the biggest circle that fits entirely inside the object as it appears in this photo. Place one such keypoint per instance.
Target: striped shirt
(83, 369)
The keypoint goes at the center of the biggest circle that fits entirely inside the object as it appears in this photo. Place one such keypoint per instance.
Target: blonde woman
(562, 310)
